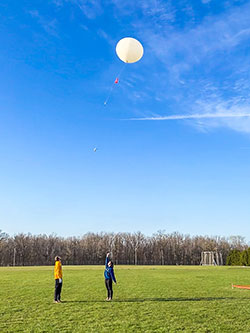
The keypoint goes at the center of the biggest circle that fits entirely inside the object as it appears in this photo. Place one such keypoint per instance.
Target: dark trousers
(108, 284)
(58, 288)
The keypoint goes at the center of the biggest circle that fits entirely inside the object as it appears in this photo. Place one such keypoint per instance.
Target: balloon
(129, 50)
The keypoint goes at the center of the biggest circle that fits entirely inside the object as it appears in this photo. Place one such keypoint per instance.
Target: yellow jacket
(58, 270)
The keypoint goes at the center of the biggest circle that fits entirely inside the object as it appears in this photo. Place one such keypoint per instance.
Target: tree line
(238, 258)
(127, 248)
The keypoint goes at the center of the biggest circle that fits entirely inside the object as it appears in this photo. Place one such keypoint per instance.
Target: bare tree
(127, 248)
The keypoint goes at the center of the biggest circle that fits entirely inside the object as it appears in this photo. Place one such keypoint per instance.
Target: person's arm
(60, 271)
(56, 270)
(112, 275)
(107, 260)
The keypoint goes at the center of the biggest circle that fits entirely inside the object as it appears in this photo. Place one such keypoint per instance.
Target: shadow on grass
(140, 300)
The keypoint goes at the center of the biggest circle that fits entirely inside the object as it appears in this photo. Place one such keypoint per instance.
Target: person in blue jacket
(109, 277)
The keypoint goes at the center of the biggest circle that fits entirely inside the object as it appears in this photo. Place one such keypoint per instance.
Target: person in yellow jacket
(58, 279)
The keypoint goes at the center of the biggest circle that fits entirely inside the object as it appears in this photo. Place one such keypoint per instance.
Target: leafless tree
(127, 248)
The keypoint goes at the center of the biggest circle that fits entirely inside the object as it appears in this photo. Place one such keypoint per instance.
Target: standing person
(58, 279)
(109, 277)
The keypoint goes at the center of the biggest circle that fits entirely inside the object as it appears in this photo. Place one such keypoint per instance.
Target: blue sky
(173, 142)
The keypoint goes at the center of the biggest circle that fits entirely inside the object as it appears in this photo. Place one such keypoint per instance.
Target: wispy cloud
(196, 116)
(58, 3)
(49, 25)
(211, 115)
(90, 9)
(190, 47)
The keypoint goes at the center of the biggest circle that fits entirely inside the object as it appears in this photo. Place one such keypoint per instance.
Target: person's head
(110, 264)
(57, 258)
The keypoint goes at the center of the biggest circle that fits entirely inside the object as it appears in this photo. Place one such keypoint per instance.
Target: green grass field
(146, 299)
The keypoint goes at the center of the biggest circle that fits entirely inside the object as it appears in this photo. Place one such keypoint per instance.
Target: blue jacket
(109, 271)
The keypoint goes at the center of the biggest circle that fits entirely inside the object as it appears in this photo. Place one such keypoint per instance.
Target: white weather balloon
(129, 50)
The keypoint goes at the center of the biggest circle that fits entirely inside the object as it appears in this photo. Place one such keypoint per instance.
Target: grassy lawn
(146, 299)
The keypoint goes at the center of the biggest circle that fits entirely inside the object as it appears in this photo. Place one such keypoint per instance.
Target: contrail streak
(196, 116)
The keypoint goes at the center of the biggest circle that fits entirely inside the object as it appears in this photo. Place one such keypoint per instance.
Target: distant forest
(126, 248)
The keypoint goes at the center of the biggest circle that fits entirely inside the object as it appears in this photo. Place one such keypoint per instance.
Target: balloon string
(110, 91)
(113, 84)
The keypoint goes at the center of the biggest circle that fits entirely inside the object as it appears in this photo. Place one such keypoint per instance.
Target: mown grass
(146, 299)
